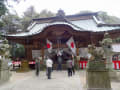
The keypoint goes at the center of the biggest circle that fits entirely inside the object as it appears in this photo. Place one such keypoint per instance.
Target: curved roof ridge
(64, 19)
(67, 16)
(74, 24)
(98, 21)
(110, 25)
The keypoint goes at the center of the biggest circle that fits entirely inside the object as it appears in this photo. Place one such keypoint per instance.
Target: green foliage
(1, 24)
(30, 14)
(4, 5)
(85, 11)
(18, 51)
(46, 13)
(76, 64)
(3, 8)
(109, 19)
(117, 40)
(11, 23)
(42, 66)
(105, 17)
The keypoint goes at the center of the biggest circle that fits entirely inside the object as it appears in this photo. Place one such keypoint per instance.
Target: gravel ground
(59, 81)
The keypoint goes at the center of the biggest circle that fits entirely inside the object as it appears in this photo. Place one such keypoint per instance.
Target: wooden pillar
(77, 49)
(35, 44)
(28, 53)
(42, 53)
(92, 38)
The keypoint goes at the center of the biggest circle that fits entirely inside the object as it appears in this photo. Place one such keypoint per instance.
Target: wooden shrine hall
(84, 28)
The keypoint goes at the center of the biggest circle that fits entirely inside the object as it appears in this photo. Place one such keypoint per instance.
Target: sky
(112, 7)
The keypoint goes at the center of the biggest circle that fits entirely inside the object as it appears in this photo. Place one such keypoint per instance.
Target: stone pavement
(59, 81)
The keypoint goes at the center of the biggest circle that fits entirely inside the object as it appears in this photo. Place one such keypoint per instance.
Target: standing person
(59, 60)
(73, 65)
(37, 66)
(59, 63)
(73, 68)
(49, 63)
(69, 67)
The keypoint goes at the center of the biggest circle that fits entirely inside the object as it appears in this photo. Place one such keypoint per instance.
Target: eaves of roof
(68, 16)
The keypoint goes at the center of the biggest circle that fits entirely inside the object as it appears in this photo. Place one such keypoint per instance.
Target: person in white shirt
(49, 64)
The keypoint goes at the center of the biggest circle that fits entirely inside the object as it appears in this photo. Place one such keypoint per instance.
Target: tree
(109, 19)
(30, 14)
(3, 8)
(4, 4)
(85, 11)
(46, 13)
(105, 17)
(18, 50)
(5, 11)
(11, 23)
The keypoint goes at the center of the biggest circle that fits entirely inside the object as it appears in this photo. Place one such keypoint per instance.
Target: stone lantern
(4, 60)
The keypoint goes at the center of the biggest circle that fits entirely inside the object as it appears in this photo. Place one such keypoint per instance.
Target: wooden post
(36, 44)
(42, 53)
(77, 49)
(91, 38)
(28, 52)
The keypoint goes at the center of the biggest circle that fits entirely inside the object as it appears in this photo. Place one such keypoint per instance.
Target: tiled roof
(92, 24)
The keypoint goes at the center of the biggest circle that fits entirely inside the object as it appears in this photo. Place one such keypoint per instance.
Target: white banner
(35, 53)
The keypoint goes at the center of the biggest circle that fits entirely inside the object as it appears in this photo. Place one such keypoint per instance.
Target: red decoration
(72, 44)
(48, 45)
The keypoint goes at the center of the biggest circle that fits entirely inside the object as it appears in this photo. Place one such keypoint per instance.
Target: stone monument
(108, 53)
(97, 75)
(4, 54)
(107, 48)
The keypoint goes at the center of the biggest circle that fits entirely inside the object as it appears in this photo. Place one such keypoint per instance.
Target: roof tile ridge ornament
(98, 20)
(59, 17)
(31, 25)
(60, 13)
(62, 17)
(73, 24)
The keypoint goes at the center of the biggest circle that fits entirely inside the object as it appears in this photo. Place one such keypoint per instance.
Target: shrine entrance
(58, 35)
(65, 54)
(84, 28)
(64, 57)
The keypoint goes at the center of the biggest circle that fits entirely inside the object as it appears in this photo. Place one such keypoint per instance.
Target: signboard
(36, 53)
(116, 47)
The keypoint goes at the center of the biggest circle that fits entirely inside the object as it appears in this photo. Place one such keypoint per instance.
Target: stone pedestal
(24, 66)
(118, 75)
(4, 71)
(97, 76)
(113, 75)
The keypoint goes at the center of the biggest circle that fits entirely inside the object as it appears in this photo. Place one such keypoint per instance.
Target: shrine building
(85, 29)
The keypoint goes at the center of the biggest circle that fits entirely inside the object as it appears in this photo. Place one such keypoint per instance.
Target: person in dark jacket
(37, 66)
(73, 65)
(69, 67)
